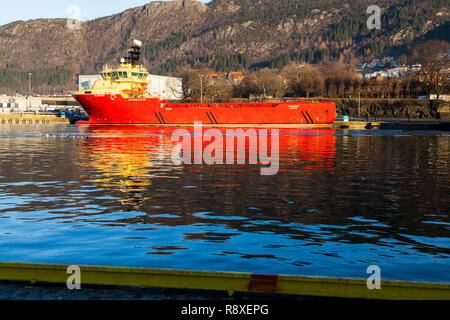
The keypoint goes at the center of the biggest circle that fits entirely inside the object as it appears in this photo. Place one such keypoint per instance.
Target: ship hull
(114, 109)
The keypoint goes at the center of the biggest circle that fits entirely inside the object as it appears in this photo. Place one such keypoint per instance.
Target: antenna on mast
(135, 53)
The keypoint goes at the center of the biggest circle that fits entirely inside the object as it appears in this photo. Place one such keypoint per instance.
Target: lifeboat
(136, 91)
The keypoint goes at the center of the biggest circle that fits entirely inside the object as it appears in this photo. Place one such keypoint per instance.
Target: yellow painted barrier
(226, 281)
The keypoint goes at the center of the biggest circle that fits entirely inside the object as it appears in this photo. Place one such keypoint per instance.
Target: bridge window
(143, 76)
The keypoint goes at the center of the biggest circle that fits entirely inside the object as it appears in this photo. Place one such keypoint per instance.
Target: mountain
(223, 34)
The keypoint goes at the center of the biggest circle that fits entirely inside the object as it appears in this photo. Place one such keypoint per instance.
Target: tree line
(14, 80)
(332, 80)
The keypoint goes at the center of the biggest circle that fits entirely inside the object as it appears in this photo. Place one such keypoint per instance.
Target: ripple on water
(342, 200)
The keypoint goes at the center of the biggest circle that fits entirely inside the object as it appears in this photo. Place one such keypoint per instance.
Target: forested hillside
(223, 35)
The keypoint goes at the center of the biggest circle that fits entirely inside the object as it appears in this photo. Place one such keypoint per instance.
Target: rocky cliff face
(224, 34)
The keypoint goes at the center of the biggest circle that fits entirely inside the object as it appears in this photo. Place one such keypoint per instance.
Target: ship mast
(135, 53)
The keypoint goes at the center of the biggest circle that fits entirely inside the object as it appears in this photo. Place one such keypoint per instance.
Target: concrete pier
(393, 125)
(31, 119)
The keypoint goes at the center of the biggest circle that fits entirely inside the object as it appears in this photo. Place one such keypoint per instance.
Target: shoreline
(21, 119)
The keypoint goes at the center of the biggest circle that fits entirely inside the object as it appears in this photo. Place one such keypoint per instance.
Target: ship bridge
(125, 73)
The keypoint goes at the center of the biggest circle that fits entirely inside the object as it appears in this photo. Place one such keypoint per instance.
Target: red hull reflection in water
(152, 142)
(308, 149)
(124, 156)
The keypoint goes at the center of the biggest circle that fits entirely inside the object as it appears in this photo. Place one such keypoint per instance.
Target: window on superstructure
(125, 75)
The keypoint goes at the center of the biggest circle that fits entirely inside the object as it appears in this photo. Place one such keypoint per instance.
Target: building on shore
(18, 103)
(167, 88)
(235, 77)
(444, 97)
(86, 82)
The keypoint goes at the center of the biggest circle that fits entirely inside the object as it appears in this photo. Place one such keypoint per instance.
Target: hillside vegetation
(223, 35)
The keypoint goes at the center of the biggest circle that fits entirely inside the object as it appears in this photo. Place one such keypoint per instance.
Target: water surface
(341, 201)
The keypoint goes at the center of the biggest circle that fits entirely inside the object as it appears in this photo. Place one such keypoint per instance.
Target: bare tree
(247, 87)
(271, 83)
(303, 80)
(339, 78)
(433, 56)
(204, 85)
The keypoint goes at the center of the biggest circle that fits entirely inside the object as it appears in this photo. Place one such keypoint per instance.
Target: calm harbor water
(342, 200)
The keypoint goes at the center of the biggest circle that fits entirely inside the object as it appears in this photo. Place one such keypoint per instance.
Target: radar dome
(137, 43)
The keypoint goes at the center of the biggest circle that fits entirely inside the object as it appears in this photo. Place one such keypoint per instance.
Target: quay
(393, 124)
(20, 110)
(230, 282)
(31, 119)
(50, 119)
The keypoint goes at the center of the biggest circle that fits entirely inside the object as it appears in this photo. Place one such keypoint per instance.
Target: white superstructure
(167, 88)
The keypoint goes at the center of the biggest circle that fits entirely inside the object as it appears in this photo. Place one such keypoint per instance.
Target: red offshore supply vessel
(121, 97)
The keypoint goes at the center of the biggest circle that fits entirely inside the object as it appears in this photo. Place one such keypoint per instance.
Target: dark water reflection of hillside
(341, 201)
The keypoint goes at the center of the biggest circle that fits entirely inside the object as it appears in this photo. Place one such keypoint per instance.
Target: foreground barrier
(225, 281)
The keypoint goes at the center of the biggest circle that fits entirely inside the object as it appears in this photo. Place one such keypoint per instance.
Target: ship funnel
(137, 43)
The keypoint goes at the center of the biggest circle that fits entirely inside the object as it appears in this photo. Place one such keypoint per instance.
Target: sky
(88, 9)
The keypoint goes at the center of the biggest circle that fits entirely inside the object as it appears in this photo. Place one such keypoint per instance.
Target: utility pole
(359, 104)
(201, 87)
(359, 100)
(29, 89)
